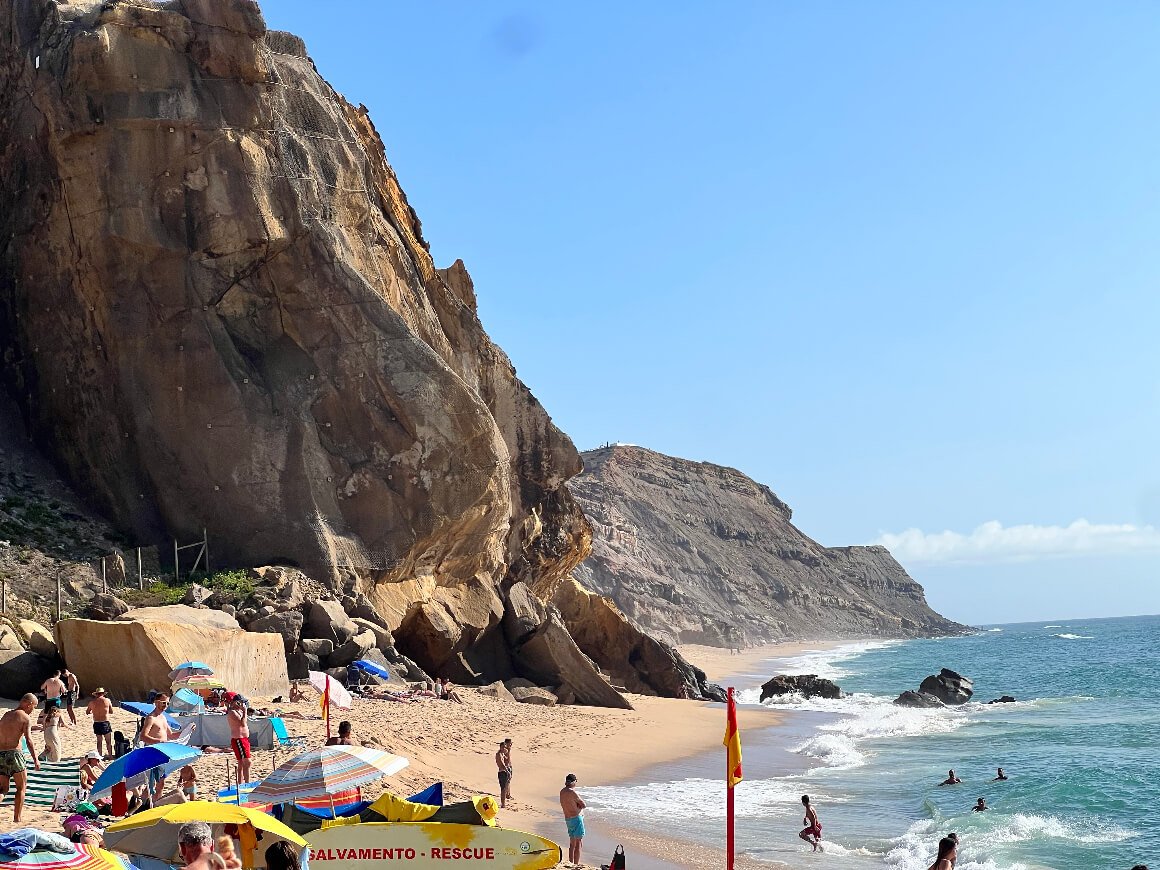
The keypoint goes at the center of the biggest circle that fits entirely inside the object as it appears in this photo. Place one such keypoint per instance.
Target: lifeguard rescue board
(423, 845)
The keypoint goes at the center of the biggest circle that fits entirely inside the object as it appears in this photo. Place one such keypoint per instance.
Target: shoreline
(455, 744)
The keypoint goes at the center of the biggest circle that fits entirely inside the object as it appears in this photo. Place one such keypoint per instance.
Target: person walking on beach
(572, 806)
(813, 827)
(1000, 776)
(16, 725)
(52, 724)
(72, 692)
(951, 779)
(503, 761)
(239, 719)
(99, 708)
(948, 853)
(53, 689)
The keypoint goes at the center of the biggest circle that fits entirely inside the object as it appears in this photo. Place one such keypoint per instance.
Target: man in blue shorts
(572, 806)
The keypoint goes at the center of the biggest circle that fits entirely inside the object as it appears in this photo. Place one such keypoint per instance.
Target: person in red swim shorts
(239, 718)
(813, 827)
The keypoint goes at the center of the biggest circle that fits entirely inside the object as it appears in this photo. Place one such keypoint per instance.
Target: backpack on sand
(617, 860)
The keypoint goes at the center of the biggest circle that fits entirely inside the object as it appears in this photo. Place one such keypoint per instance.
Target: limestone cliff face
(687, 549)
(217, 310)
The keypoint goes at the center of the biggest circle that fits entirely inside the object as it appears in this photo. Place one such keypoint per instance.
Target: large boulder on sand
(39, 638)
(632, 658)
(351, 650)
(22, 671)
(497, 690)
(534, 695)
(550, 654)
(104, 606)
(288, 624)
(327, 620)
(131, 656)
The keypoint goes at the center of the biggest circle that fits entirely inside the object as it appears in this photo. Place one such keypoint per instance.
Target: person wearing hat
(99, 708)
(91, 769)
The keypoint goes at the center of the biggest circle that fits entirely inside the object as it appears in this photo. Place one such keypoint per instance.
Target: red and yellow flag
(326, 706)
(732, 743)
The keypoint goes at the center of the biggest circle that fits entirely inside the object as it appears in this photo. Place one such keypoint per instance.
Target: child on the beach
(187, 779)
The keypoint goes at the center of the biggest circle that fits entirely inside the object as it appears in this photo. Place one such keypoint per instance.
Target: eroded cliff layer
(688, 550)
(217, 310)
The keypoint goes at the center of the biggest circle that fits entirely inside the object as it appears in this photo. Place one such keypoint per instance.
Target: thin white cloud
(992, 542)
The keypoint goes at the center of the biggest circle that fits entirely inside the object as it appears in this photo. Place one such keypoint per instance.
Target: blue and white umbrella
(373, 668)
(142, 709)
(167, 757)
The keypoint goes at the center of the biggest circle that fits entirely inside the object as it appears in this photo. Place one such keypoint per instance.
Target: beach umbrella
(373, 668)
(142, 709)
(339, 696)
(166, 756)
(153, 833)
(196, 682)
(190, 669)
(80, 856)
(326, 771)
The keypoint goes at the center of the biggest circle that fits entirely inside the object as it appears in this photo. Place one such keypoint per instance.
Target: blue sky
(898, 262)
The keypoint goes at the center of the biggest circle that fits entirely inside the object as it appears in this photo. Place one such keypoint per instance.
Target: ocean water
(1081, 748)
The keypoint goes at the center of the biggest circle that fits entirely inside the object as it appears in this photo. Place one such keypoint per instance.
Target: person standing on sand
(99, 708)
(52, 724)
(72, 692)
(239, 719)
(948, 853)
(16, 725)
(503, 761)
(813, 827)
(156, 729)
(572, 806)
(53, 689)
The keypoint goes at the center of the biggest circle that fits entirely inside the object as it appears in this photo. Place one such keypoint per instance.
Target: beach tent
(185, 701)
(306, 816)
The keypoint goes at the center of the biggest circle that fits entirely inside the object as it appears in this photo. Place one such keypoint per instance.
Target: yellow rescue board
(415, 845)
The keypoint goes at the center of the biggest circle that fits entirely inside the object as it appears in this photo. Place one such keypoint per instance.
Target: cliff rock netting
(217, 310)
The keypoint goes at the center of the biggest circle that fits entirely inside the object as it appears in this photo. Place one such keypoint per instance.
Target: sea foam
(1066, 636)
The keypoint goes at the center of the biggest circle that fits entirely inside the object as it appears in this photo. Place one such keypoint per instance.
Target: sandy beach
(456, 743)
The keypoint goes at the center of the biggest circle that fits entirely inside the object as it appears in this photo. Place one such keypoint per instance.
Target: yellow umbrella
(154, 832)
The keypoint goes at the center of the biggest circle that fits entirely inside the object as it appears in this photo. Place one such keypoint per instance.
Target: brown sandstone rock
(497, 690)
(105, 607)
(39, 639)
(131, 657)
(534, 695)
(328, 620)
(352, 649)
(550, 652)
(22, 671)
(181, 614)
(288, 624)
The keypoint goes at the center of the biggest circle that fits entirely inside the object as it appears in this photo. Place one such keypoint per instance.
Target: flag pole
(729, 794)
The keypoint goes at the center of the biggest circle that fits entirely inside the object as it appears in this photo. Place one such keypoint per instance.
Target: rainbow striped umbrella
(80, 857)
(325, 771)
(198, 681)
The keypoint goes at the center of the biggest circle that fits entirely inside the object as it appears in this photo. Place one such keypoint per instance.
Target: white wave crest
(1053, 626)
(1066, 636)
(828, 663)
(654, 801)
(994, 629)
(1020, 827)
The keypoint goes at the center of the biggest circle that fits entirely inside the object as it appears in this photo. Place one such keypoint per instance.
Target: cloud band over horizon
(993, 542)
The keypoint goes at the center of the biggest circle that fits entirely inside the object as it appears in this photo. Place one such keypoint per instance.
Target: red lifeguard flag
(326, 706)
(732, 743)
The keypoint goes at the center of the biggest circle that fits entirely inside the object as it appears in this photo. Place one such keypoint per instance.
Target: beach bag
(617, 862)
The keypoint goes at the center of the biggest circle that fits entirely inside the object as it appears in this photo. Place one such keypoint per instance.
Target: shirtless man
(572, 806)
(503, 761)
(980, 806)
(1000, 776)
(100, 708)
(16, 725)
(53, 689)
(951, 779)
(72, 692)
(947, 854)
(238, 716)
(813, 828)
(156, 730)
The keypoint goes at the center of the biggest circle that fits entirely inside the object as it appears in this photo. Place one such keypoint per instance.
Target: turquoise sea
(1081, 747)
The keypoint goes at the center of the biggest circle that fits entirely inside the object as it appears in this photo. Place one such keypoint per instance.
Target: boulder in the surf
(951, 688)
(918, 699)
(1006, 699)
(807, 685)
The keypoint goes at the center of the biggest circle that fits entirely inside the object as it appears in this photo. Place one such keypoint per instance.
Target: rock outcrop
(949, 687)
(923, 700)
(806, 685)
(697, 553)
(629, 656)
(132, 655)
(218, 311)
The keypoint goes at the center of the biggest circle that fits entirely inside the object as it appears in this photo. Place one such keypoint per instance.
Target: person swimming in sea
(813, 827)
(951, 779)
(999, 776)
(980, 806)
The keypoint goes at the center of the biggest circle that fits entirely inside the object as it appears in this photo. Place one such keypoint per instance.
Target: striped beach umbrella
(190, 669)
(81, 856)
(197, 682)
(326, 771)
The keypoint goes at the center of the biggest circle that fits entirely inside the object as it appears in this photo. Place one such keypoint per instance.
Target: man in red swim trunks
(813, 826)
(238, 716)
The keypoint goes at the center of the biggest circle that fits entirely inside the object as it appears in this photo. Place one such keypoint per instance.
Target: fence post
(58, 596)
(205, 549)
(140, 575)
(104, 577)
(176, 565)
(4, 596)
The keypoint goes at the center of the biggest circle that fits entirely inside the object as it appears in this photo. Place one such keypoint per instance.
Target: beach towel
(43, 784)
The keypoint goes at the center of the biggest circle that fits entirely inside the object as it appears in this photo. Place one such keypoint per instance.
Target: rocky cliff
(688, 549)
(217, 310)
